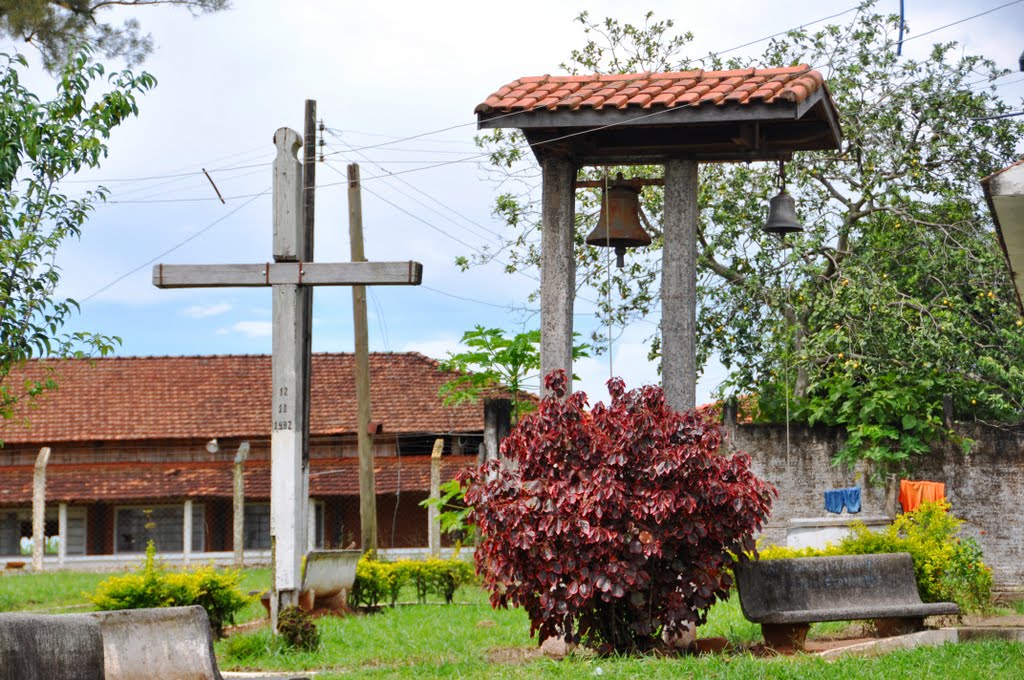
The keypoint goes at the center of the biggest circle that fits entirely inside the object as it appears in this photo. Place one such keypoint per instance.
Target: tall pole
(289, 448)
(557, 266)
(679, 286)
(238, 504)
(39, 509)
(367, 484)
(308, 221)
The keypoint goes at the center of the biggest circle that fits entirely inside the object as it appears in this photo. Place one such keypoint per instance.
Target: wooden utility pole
(306, 255)
(238, 504)
(367, 483)
(39, 509)
(288, 276)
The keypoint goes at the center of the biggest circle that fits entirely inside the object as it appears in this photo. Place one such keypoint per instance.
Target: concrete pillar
(557, 265)
(186, 534)
(238, 504)
(310, 525)
(433, 521)
(679, 286)
(39, 508)
(497, 423)
(62, 533)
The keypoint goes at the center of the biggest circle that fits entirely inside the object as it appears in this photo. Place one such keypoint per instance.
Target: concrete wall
(985, 488)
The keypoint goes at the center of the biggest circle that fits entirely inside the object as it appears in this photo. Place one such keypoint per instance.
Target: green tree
(495, 361)
(41, 143)
(895, 294)
(58, 27)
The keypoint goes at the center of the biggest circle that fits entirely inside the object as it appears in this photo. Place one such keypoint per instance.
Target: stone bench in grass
(786, 596)
(327, 580)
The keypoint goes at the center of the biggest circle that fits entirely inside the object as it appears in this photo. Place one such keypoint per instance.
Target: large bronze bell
(618, 226)
(782, 217)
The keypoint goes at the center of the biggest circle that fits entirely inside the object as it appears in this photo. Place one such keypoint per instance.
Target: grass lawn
(468, 639)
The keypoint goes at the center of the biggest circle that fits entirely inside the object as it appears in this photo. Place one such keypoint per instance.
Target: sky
(396, 84)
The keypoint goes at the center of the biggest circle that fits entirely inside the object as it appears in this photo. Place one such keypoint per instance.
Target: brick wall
(986, 487)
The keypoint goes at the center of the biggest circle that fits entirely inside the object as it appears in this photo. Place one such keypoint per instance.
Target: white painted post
(287, 444)
(238, 504)
(433, 523)
(39, 508)
(557, 265)
(186, 534)
(311, 526)
(62, 533)
(679, 286)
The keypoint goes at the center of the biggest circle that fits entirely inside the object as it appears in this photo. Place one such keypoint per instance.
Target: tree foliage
(59, 27)
(42, 143)
(494, 360)
(895, 295)
(616, 525)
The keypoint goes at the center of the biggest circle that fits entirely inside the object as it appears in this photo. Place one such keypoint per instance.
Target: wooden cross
(291, 281)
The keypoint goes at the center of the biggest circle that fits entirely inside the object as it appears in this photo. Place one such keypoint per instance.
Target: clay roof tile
(740, 86)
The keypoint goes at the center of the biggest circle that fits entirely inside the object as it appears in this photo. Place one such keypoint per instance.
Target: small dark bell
(618, 226)
(782, 218)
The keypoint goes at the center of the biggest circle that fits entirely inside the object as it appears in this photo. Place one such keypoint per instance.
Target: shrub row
(216, 591)
(948, 567)
(378, 581)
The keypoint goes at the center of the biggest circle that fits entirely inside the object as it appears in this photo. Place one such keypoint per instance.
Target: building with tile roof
(138, 441)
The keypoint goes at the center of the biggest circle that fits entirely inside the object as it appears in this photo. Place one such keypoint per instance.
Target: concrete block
(44, 647)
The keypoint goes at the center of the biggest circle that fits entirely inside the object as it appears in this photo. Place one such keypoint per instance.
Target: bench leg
(898, 626)
(785, 637)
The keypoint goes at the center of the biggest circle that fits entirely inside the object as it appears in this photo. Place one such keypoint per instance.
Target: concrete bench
(42, 647)
(326, 581)
(786, 596)
(168, 642)
(172, 643)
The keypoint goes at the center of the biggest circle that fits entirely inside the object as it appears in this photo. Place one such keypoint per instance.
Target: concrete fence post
(39, 508)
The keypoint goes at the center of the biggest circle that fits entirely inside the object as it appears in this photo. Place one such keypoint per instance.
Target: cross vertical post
(289, 448)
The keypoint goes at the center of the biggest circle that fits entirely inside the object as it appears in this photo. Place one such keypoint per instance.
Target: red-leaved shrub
(614, 526)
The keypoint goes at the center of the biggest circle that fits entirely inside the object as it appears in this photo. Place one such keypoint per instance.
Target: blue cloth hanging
(834, 501)
(851, 497)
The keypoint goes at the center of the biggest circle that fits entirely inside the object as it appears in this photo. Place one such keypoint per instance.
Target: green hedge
(378, 581)
(948, 567)
(216, 591)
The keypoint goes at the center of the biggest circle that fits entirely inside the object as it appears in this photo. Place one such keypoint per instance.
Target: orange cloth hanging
(912, 494)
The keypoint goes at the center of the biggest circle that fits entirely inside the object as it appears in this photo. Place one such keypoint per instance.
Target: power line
(437, 201)
(965, 19)
(170, 250)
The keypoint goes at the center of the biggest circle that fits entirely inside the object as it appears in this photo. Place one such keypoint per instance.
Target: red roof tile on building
(655, 90)
(138, 398)
(123, 482)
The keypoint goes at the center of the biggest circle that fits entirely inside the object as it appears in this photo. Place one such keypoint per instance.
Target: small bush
(297, 629)
(615, 525)
(948, 567)
(781, 552)
(216, 591)
(378, 581)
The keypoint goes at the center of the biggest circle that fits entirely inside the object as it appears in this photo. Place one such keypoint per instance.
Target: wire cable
(170, 250)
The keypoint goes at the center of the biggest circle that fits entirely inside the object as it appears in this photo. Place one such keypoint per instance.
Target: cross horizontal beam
(296, 273)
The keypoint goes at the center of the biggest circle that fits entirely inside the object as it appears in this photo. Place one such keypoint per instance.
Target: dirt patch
(246, 627)
(513, 655)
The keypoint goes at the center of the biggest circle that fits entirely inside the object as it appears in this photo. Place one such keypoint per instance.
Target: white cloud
(205, 311)
(253, 329)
